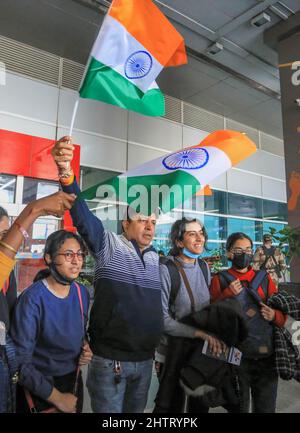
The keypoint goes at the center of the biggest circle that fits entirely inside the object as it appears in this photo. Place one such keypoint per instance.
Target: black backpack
(176, 280)
(259, 343)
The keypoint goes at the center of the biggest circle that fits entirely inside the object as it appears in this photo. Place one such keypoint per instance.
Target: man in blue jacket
(126, 317)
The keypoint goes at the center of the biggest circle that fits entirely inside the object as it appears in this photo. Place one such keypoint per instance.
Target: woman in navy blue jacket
(48, 329)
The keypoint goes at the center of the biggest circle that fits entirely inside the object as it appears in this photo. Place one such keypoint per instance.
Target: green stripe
(166, 203)
(104, 84)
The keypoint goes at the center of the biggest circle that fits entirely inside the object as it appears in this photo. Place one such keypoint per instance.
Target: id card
(2, 334)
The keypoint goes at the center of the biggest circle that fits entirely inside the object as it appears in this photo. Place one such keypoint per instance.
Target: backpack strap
(75, 388)
(225, 279)
(175, 278)
(260, 279)
(187, 284)
(175, 281)
(204, 269)
(81, 305)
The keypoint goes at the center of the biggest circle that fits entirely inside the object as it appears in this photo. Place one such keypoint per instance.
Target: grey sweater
(182, 302)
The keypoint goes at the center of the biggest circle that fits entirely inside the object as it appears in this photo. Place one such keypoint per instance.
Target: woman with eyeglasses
(257, 373)
(48, 329)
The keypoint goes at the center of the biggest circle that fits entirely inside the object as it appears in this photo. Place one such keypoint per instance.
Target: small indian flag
(135, 42)
(168, 181)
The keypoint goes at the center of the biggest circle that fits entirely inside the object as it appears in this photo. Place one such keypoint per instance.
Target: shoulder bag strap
(81, 304)
(225, 278)
(187, 285)
(204, 268)
(82, 318)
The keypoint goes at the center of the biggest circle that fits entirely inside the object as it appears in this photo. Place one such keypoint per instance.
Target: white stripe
(114, 45)
(217, 164)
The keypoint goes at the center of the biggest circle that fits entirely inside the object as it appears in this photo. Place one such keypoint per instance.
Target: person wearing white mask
(188, 238)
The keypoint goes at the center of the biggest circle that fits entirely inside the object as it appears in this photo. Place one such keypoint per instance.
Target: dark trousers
(259, 379)
(64, 384)
(194, 404)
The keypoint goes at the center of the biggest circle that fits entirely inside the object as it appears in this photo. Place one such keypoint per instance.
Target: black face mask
(58, 277)
(242, 261)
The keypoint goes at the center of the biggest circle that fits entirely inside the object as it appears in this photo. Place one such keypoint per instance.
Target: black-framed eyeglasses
(240, 251)
(69, 255)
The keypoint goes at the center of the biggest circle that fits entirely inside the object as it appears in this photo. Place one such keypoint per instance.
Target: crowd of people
(147, 310)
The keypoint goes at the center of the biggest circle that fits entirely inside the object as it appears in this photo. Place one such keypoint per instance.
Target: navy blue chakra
(190, 159)
(138, 65)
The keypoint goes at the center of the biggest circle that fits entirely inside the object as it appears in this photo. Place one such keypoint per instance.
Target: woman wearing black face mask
(257, 370)
(48, 329)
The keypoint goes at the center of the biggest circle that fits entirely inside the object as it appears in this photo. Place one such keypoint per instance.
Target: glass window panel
(215, 249)
(38, 233)
(216, 203)
(91, 176)
(161, 240)
(215, 227)
(42, 228)
(7, 188)
(163, 245)
(108, 214)
(267, 226)
(195, 203)
(248, 227)
(245, 206)
(34, 189)
(273, 210)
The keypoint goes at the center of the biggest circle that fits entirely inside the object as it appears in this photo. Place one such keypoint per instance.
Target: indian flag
(135, 42)
(168, 181)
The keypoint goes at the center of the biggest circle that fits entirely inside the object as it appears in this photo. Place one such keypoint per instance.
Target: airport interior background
(231, 81)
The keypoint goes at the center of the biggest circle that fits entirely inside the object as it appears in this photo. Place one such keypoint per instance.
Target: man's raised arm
(87, 224)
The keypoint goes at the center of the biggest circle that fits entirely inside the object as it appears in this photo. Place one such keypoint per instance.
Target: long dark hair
(235, 237)
(177, 232)
(53, 244)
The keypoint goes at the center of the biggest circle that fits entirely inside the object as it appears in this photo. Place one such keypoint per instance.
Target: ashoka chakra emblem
(190, 159)
(138, 65)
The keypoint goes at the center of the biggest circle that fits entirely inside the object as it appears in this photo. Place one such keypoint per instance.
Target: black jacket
(186, 363)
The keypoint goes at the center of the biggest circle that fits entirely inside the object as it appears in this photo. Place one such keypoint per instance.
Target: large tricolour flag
(135, 42)
(168, 181)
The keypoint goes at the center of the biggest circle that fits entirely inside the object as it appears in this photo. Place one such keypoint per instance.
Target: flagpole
(74, 116)
(77, 100)
(81, 82)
